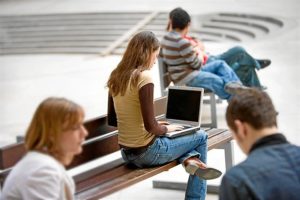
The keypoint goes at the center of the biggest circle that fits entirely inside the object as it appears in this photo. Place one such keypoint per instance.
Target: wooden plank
(214, 131)
(96, 150)
(10, 154)
(125, 177)
(98, 126)
(219, 139)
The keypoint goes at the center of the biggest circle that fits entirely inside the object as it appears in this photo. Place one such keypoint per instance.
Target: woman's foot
(264, 63)
(194, 166)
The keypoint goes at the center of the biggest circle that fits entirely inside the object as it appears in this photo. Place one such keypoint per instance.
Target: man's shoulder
(275, 151)
(173, 37)
(261, 161)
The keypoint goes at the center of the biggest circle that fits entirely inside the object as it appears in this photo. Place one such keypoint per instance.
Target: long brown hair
(136, 59)
(51, 118)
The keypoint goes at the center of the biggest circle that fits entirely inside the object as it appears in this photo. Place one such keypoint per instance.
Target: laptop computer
(184, 106)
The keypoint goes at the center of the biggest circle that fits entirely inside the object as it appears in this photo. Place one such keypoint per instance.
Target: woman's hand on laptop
(162, 122)
(174, 127)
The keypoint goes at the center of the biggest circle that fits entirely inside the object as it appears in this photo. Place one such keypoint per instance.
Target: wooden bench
(165, 81)
(114, 175)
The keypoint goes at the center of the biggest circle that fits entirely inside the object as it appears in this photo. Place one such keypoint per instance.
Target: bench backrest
(98, 143)
(102, 140)
(11, 154)
(164, 76)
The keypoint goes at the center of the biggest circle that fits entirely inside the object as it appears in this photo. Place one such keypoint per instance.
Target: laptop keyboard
(182, 132)
(184, 126)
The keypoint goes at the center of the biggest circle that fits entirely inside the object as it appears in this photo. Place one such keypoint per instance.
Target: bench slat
(129, 177)
(10, 154)
(219, 140)
(214, 131)
(96, 150)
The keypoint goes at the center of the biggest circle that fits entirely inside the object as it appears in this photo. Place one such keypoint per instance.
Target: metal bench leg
(229, 154)
(214, 189)
(169, 185)
(229, 160)
(213, 111)
(20, 138)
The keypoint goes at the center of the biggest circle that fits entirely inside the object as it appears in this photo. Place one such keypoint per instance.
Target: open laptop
(184, 106)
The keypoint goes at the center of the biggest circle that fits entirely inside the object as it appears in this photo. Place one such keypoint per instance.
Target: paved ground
(27, 79)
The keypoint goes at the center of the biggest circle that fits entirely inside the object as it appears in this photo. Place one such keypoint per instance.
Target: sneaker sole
(206, 174)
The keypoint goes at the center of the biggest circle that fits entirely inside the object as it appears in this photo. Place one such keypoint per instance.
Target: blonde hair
(52, 117)
(136, 59)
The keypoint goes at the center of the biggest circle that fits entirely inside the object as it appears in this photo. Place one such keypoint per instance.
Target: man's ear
(241, 131)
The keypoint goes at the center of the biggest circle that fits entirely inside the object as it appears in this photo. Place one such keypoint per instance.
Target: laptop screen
(184, 104)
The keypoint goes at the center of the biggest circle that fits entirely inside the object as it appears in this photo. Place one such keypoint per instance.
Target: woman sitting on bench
(140, 136)
(54, 136)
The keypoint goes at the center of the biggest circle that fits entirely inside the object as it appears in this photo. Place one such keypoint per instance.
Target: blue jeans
(242, 63)
(165, 150)
(214, 76)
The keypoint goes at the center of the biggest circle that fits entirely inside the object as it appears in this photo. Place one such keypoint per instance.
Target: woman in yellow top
(141, 137)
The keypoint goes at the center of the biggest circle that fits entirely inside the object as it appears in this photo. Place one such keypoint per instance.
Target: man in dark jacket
(272, 168)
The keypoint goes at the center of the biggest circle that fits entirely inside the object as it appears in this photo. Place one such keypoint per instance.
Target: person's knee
(213, 82)
(223, 65)
(202, 135)
(239, 49)
(220, 64)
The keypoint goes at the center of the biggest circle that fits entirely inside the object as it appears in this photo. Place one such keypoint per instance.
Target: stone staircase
(109, 33)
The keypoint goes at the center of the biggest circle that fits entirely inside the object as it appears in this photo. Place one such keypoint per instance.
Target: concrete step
(261, 18)
(59, 50)
(71, 27)
(50, 44)
(62, 37)
(75, 16)
(91, 22)
(110, 32)
(47, 33)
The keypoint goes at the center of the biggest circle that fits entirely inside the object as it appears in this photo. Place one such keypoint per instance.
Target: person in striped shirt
(186, 59)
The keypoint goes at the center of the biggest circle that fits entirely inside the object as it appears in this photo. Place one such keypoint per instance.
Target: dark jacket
(271, 172)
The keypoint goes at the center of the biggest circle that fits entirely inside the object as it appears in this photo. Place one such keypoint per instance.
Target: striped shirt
(177, 52)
